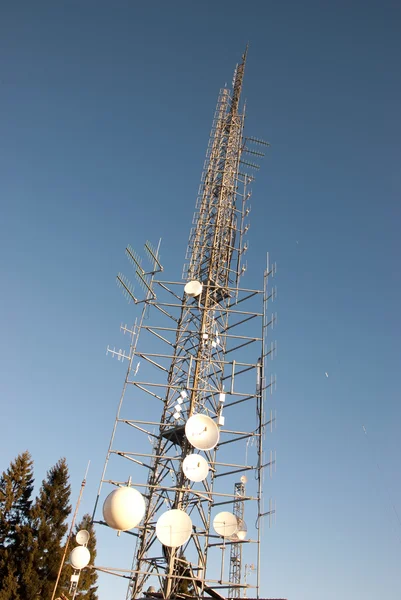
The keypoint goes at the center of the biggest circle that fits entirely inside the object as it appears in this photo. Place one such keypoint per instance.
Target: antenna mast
(205, 355)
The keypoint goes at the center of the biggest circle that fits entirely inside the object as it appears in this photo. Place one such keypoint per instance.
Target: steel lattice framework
(236, 547)
(202, 355)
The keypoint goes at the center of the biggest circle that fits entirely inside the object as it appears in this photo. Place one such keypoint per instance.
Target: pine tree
(9, 583)
(16, 539)
(87, 588)
(31, 536)
(51, 510)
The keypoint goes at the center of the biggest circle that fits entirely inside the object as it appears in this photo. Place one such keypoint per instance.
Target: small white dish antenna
(124, 508)
(242, 529)
(82, 537)
(195, 467)
(193, 289)
(174, 528)
(202, 432)
(244, 479)
(225, 524)
(80, 557)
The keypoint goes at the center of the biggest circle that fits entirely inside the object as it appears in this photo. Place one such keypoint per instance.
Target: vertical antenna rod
(81, 491)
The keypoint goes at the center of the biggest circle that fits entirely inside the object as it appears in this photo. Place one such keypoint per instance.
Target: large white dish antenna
(80, 557)
(195, 467)
(174, 528)
(225, 524)
(124, 508)
(193, 289)
(202, 432)
(82, 537)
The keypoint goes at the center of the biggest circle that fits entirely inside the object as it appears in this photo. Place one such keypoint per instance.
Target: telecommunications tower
(186, 461)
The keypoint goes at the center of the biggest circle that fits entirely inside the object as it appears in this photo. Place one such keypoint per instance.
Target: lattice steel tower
(191, 418)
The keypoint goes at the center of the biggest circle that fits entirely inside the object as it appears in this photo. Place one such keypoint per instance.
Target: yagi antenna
(152, 253)
(134, 258)
(254, 152)
(127, 287)
(120, 354)
(249, 164)
(144, 284)
(257, 141)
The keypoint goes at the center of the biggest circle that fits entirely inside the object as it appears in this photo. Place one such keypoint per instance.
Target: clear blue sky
(105, 112)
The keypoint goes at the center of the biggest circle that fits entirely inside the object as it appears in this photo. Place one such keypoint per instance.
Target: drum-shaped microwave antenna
(225, 524)
(174, 528)
(195, 467)
(80, 557)
(193, 289)
(202, 432)
(82, 537)
(124, 508)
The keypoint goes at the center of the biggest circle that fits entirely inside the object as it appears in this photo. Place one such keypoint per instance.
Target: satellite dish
(193, 289)
(242, 529)
(82, 537)
(80, 557)
(195, 467)
(202, 432)
(124, 508)
(243, 479)
(174, 528)
(225, 524)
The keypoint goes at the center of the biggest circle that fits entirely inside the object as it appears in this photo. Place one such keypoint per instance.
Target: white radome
(174, 528)
(202, 432)
(82, 537)
(193, 289)
(80, 557)
(195, 467)
(225, 524)
(124, 508)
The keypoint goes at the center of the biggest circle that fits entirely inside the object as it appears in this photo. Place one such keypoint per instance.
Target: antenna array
(195, 391)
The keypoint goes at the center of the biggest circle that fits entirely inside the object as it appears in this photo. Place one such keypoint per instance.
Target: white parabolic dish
(225, 524)
(174, 528)
(202, 432)
(195, 467)
(80, 557)
(124, 508)
(82, 537)
(193, 289)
